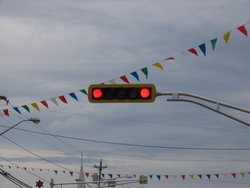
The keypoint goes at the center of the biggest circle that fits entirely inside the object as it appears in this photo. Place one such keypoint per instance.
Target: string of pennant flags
(183, 176)
(126, 78)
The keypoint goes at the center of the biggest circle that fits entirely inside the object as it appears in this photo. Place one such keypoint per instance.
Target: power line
(44, 159)
(134, 145)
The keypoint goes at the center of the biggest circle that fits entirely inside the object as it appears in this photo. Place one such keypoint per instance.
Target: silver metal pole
(176, 97)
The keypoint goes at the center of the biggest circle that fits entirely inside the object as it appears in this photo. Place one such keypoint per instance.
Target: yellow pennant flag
(35, 106)
(1, 166)
(226, 36)
(191, 176)
(242, 174)
(158, 65)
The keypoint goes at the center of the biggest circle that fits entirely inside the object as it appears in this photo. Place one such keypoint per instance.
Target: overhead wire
(42, 158)
(135, 145)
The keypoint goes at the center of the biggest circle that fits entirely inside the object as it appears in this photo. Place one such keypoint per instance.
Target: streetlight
(34, 120)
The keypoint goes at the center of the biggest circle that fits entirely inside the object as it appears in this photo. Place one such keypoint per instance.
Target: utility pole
(100, 168)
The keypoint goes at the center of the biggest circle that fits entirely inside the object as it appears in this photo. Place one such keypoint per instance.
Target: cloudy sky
(51, 48)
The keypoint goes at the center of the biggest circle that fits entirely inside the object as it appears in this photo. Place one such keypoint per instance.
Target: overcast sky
(50, 48)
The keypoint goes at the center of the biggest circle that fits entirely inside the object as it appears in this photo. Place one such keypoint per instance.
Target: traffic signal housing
(122, 93)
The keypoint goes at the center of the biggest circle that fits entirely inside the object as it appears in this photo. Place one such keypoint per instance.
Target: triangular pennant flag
(35, 106)
(71, 173)
(169, 58)
(174, 176)
(87, 174)
(41, 170)
(166, 176)
(16, 109)
(203, 48)
(118, 175)
(63, 99)
(44, 104)
(183, 177)
(26, 108)
(151, 176)
(145, 71)
(54, 101)
(226, 36)
(158, 177)
(243, 30)
(10, 167)
(6, 112)
(191, 176)
(200, 176)
(111, 176)
(242, 174)
(209, 176)
(135, 75)
(1, 166)
(56, 171)
(216, 175)
(124, 78)
(84, 91)
(213, 43)
(192, 50)
(64, 171)
(234, 175)
(103, 175)
(24, 168)
(112, 81)
(73, 95)
(158, 65)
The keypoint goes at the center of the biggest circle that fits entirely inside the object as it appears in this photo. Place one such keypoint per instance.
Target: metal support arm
(176, 96)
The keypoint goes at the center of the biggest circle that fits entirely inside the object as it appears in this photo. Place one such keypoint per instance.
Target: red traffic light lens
(97, 93)
(145, 92)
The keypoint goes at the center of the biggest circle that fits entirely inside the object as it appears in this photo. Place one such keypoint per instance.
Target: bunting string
(183, 176)
(126, 78)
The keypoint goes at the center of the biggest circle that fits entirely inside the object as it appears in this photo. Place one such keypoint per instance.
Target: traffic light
(122, 93)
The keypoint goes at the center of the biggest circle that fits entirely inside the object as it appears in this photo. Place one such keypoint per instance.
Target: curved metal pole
(176, 97)
(34, 120)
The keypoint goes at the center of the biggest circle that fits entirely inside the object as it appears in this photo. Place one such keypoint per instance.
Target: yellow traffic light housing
(122, 93)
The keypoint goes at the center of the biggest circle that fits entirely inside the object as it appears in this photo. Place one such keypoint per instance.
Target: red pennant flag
(24, 168)
(216, 175)
(41, 170)
(234, 175)
(124, 78)
(134, 175)
(166, 176)
(169, 58)
(6, 112)
(45, 104)
(192, 50)
(87, 174)
(243, 30)
(183, 177)
(119, 175)
(63, 99)
(71, 173)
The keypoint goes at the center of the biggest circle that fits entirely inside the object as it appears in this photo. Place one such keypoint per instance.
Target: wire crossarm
(189, 97)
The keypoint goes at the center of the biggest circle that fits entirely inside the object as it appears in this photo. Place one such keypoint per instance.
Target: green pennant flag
(145, 71)
(213, 43)
(26, 108)
(103, 175)
(151, 176)
(56, 171)
(200, 176)
(84, 91)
